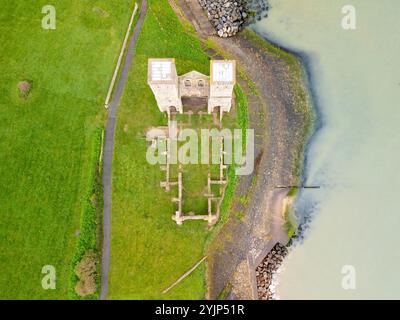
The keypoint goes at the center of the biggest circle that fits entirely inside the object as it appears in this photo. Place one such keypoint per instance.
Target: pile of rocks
(266, 270)
(229, 16)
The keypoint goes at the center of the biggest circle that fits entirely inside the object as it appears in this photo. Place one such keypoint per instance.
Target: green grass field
(46, 140)
(148, 250)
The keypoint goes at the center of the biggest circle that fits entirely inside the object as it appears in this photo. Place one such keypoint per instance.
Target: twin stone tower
(170, 89)
(193, 90)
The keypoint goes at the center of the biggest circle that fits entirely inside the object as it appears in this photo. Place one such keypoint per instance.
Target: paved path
(108, 152)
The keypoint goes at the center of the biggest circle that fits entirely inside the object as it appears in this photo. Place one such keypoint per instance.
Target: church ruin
(170, 90)
(190, 94)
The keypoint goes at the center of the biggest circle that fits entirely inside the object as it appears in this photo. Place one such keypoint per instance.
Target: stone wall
(230, 16)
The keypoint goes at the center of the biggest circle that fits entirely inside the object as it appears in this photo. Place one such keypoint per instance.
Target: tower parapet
(222, 81)
(163, 81)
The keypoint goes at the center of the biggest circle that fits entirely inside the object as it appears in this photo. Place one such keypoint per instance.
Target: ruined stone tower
(163, 81)
(222, 81)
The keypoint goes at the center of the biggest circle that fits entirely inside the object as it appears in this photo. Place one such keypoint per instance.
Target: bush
(86, 272)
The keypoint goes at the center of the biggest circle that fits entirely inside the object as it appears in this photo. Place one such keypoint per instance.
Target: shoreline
(280, 109)
(315, 126)
(275, 200)
(318, 119)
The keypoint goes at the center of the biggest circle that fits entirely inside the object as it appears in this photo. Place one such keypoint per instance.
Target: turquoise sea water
(354, 157)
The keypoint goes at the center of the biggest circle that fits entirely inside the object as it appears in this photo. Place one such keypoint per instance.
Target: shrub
(86, 272)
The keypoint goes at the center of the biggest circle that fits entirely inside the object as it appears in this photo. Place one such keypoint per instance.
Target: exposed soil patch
(194, 103)
(24, 88)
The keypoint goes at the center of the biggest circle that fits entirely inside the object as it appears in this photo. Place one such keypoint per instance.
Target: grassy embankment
(148, 250)
(50, 139)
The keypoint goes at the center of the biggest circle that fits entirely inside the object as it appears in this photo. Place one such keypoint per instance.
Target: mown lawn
(148, 250)
(45, 145)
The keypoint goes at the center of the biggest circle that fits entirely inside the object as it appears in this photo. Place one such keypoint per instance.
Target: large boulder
(229, 16)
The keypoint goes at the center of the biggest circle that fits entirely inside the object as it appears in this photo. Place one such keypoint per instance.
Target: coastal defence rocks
(230, 16)
(266, 270)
